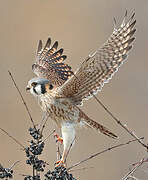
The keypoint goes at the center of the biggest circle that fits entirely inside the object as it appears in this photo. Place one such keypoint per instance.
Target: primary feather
(50, 64)
(99, 68)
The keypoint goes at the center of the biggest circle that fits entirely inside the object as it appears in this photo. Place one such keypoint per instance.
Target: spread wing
(50, 64)
(99, 68)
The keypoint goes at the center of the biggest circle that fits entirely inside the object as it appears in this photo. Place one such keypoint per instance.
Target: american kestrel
(60, 91)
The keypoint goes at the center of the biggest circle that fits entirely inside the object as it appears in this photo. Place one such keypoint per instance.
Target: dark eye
(50, 86)
(34, 84)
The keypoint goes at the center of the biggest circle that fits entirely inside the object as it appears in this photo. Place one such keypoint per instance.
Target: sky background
(80, 26)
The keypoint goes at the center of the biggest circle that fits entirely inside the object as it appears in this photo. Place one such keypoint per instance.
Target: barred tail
(91, 123)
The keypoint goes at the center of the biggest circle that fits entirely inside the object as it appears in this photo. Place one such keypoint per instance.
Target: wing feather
(99, 68)
(50, 64)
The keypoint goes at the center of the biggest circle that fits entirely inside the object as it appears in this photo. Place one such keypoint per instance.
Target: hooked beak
(27, 88)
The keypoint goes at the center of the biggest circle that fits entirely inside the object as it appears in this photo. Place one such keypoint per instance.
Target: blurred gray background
(80, 26)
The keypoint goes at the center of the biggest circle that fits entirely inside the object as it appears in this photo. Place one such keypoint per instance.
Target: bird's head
(39, 86)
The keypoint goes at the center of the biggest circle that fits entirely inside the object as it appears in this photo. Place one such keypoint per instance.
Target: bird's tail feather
(93, 124)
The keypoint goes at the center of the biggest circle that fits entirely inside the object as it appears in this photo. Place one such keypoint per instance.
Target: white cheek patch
(32, 92)
(38, 89)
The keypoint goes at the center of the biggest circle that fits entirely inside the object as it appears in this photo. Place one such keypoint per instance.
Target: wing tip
(112, 135)
(55, 45)
(39, 46)
(125, 22)
(133, 15)
(48, 43)
(61, 51)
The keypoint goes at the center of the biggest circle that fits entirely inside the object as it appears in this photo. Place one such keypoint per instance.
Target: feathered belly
(60, 110)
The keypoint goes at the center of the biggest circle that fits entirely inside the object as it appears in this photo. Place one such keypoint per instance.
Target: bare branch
(58, 153)
(132, 177)
(1, 167)
(124, 126)
(14, 164)
(49, 135)
(12, 138)
(129, 174)
(69, 150)
(80, 169)
(145, 160)
(101, 152)
(45, 117)
(22, 99)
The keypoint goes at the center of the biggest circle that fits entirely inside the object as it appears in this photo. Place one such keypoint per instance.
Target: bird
(61, 92)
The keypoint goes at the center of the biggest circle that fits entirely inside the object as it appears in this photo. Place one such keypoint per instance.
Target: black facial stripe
(43, 90)
(35, 91)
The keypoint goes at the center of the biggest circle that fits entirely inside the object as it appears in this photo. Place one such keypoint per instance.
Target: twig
(1, 167)
(80, 169)
(22, 99)
(49, 135)
(101, 152)
(14, 164)
(33, 171)
(133, 170)
(132, 177)
(145, 160)
(58, 153)
(46, 116)
(69, 150)
(24, 174)
(124, 126)
(43, 117)
(12, 138)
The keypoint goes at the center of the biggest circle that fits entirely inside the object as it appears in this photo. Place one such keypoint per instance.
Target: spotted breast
(60, 110)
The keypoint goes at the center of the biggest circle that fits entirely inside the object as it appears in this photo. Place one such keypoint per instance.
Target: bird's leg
(68, 134)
